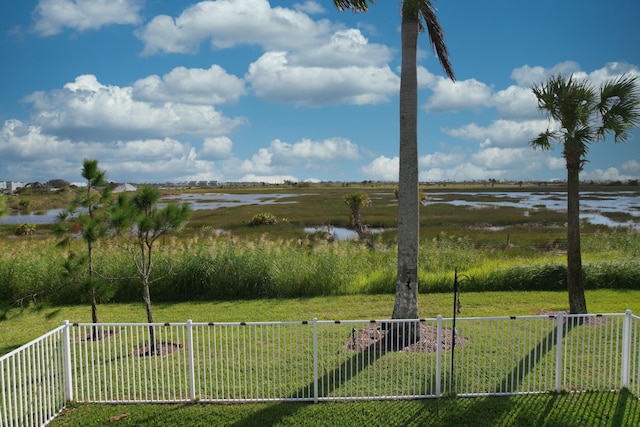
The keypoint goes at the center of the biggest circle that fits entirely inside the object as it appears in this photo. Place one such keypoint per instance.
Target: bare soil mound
(159, 349)
(375, 338)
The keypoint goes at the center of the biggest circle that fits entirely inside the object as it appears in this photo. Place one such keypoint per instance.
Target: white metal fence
(32, 381)
(317, 361)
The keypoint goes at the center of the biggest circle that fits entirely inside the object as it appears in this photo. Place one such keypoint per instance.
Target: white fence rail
(317, 361)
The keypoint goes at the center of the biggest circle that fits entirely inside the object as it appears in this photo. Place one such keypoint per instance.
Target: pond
(339, 233)
(46, 217)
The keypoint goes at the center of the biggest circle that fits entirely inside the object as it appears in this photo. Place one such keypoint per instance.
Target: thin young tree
(582, 114)
(86, 217)
(140, 221)
(417, 16)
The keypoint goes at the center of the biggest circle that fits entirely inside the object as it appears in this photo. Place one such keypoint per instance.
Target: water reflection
(211, 201)
(46, 217)
(592, 204)
(339, 233)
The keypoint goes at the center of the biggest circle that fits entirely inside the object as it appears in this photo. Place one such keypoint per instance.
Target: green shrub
(612, 275)
(25, 229)
(263, 219)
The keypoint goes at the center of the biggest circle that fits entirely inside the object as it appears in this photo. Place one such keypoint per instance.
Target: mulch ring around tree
(159, 349)
(373, 337)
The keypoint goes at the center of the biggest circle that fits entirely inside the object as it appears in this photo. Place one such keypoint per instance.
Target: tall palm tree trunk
(406, 300)
(577, 301)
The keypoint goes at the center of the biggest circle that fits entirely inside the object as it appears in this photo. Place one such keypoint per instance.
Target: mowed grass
(580, 409)
(561, 410)
(24, 324)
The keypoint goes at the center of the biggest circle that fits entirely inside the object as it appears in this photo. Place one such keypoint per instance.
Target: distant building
(122, 188)
(11, 186)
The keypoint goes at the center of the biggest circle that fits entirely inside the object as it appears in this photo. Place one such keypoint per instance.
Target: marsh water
(594, 206)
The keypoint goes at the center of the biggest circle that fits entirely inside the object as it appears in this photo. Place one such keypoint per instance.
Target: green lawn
(579, 409)
(566, 410)
(23, 325)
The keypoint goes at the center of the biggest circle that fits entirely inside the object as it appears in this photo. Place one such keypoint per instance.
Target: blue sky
(257, 90)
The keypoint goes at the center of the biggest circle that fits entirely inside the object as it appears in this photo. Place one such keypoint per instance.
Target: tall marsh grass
(227, 268)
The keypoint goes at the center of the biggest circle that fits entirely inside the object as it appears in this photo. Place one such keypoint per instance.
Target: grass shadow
(332, 379)
(542, 409)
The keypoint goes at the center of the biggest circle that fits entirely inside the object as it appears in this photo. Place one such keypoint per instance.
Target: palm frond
(548, 95)
(619, 108)
(579, 142)
(543, 141)
(436, 36)
(355, 5)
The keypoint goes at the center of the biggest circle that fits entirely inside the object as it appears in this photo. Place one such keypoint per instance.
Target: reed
(225, 267)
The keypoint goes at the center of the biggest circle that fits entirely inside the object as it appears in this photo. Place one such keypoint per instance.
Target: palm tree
(356, 201)
(417, 15)
(583, 115)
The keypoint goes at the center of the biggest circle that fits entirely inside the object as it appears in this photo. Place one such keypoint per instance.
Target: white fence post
(315, 360)
(192, 375)
(559, 339)
(66, 360)
(626, 349)
(438, 357)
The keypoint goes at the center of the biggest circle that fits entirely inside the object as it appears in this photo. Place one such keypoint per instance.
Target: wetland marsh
(504, 239)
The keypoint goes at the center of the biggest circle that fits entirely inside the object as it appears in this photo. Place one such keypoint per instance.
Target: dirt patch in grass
(160, 349)
(375, 338)
(596, 320)
(98, 335)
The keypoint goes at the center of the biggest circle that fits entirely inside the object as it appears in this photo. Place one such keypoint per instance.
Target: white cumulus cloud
(631, 167)
(311, 7)
(382, 169)
(500, 132)
(528, 76)
(216, 148)
(345, 48)
(308, 150)
(454, 96)
(229, 23)
(88, 109)
(36, 156)
(272, 77)
(212, 86)
(53, 16)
